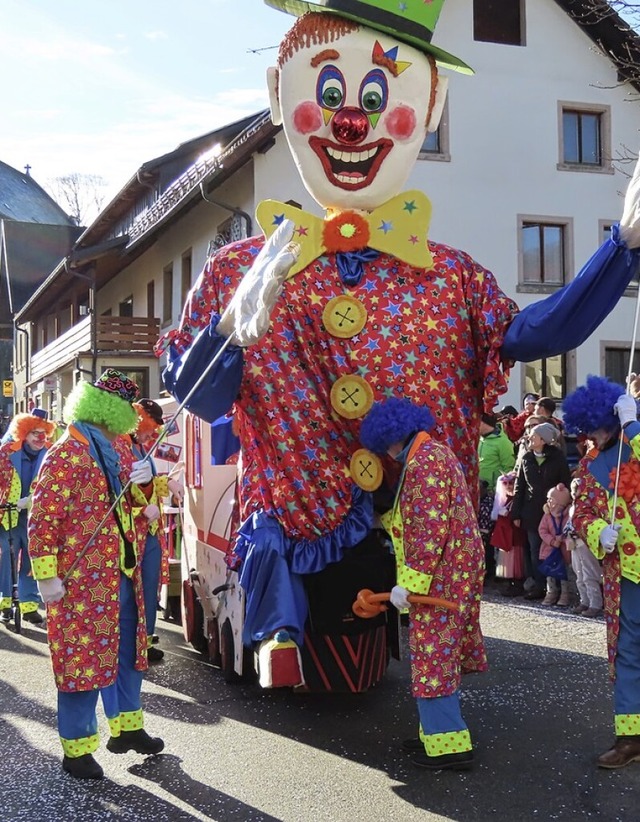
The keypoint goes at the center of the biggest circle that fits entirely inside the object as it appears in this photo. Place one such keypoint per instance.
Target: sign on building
(7, 388)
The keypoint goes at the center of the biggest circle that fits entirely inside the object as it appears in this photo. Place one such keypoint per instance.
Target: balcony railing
(123, 335)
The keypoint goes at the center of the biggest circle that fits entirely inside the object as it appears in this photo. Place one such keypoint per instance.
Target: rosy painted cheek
(401, 122)
(307, 118)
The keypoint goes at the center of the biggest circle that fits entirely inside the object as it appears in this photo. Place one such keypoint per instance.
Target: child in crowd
(485, 525)
(586, 567)
(552, 556)
(506, 538)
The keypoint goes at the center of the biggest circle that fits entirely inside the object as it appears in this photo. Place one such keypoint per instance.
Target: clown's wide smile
(350, 168)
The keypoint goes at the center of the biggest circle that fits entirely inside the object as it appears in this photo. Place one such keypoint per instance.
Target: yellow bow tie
(399, 227)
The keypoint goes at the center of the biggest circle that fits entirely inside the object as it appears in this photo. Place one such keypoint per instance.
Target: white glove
(141, 472)
(400, 598)
(176, 489)
(23, 503)
(630, 220)
(246, 318)
(152, 513)
(626, 409)
(609, 537)
(51, 590)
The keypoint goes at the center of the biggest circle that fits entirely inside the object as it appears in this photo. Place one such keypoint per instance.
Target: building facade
(526, 173)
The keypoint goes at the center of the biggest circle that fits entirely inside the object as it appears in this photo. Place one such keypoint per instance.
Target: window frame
(566, 223)
(617, 345)
(167, 294)
(479, 6)
(605, 166)
(569, 374)
(444, 153)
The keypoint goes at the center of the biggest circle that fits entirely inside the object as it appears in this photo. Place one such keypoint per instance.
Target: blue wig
(590, 407)
(392, 421)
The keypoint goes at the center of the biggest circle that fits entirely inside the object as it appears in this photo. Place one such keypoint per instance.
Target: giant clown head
(356, 90)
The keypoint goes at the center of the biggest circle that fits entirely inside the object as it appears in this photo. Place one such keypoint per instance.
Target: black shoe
(536, 593)
(447, 762)
(82, 767)
(34, 617)
(414, 745)
(513, 590)
(5, 616)
(138, 741)
(154, 654)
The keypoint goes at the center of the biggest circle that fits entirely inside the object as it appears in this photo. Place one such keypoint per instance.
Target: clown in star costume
(150, 523)
(354, 308)
(439, 552)
(21, 456)
(604, 413)
(95, 604)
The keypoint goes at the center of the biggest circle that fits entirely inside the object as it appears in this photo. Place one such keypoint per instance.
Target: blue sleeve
(218, 390)
(565, 319)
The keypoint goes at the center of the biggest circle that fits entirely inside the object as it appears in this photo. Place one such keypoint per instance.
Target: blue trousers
(626, 691)
(27, 586)
(441, 714)
(77, 711)
(151, 563)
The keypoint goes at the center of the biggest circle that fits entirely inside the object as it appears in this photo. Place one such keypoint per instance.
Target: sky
(101, 86)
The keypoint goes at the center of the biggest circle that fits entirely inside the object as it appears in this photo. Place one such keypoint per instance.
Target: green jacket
(495, 456)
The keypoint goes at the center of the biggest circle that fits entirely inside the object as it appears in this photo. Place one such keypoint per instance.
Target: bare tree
(81, 194)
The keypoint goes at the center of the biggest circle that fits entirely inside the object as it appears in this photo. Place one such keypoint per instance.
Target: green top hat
(411, 21)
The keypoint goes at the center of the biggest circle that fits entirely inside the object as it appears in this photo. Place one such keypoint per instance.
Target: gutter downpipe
(237, 211)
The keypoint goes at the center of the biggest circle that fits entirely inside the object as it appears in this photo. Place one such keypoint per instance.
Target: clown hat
(115, 382)
(412, 21)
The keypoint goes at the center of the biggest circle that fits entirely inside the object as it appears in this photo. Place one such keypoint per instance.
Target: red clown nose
(350, 126)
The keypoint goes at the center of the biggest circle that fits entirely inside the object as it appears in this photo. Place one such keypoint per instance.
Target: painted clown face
(355, 111)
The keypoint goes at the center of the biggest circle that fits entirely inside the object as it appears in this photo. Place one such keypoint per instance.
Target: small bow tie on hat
(398, 227)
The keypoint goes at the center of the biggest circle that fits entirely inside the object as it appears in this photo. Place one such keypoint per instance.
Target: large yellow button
(344, 316)
(351, 396)
(366, 469)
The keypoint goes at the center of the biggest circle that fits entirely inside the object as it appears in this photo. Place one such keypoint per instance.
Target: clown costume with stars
(439, 553)
(85, 557)
(329, 316)
(607, 517)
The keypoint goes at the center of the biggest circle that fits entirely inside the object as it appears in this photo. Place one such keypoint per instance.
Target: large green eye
(374, 92)
(330, 88)
(332, 96)
(371, 101)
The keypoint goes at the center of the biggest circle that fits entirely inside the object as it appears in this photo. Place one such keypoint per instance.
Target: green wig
(86, 403)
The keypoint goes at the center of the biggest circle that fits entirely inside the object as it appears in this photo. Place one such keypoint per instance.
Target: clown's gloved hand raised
(626, 409)
(141, 472)
(51, 590)
(609, 538)
(400, 598)
(630, 220)
(246, 318)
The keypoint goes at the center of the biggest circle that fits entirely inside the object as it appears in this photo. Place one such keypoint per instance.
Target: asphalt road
(539, 719)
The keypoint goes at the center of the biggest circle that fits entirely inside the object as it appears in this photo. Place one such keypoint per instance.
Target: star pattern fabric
(593, 509)
(70, 501)
(431, 335)
(436, 538)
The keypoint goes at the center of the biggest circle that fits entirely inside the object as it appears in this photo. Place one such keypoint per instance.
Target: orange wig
(23, 424)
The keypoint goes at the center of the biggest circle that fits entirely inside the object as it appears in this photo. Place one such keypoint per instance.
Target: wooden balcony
(121, 335)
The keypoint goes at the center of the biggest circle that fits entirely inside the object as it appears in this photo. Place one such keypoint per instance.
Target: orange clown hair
(146, 423)
(23, 424)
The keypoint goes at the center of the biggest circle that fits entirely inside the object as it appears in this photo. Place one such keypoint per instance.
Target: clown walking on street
(21, 456)
(90, 576)
(611, 529)
(439, 552)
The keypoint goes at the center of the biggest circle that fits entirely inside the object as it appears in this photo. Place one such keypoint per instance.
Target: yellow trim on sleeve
(44, 567)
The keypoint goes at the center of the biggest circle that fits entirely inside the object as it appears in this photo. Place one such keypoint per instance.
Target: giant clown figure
(330, 315)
